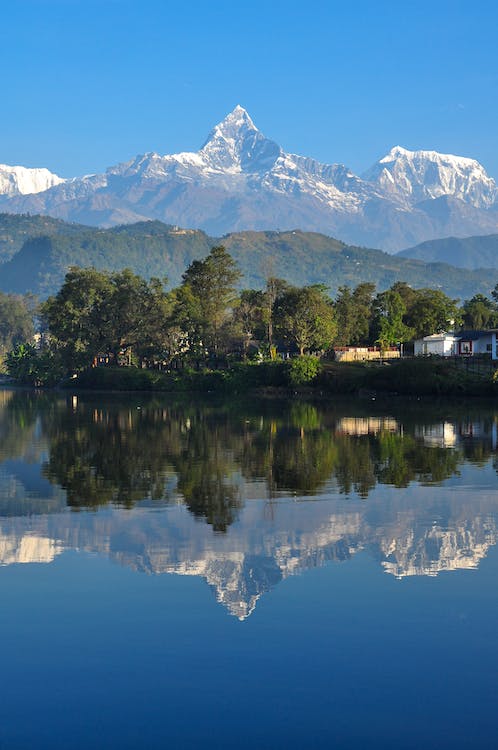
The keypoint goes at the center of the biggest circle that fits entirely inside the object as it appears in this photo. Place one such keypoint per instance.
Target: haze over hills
(240, 180)
(464, 252)
(47, 249)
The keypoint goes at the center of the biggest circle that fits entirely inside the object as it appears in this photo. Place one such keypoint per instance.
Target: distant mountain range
(466, 252)
(37, 251)
(240, 180)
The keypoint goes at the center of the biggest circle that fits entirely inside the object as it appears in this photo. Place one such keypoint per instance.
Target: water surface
(257, 574)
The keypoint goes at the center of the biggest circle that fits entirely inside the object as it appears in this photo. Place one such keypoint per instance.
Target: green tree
(32, 367)
(353, 311)
(205, 299)
(134, 316)
(479, 312)
(275, 288)
(305, 318)
(432, 311)
(16, 322)
(96, 312)
(74, 316)
(388, 327)
(21, 363)
(249, 318)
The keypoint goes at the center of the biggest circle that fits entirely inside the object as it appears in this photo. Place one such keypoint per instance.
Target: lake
(254, 573)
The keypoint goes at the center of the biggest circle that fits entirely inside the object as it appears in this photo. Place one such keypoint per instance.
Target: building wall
(442, 346)
(363, 354)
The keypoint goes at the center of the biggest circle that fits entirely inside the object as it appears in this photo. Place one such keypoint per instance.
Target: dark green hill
(464, 252)
(15, 229)
(149, 248)
(154, 249)
(309, 258)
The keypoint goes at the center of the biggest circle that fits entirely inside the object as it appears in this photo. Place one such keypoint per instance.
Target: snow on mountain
(415, 176)
(240, 179)
(23, 181)
(236, 145)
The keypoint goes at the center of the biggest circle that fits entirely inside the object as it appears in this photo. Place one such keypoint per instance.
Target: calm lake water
(258, 574)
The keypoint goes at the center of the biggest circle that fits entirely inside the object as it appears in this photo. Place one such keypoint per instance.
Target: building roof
(471, 335)
(439, 337)
(466, 335)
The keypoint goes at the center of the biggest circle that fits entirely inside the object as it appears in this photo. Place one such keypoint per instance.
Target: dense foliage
(16, 322)
(119, 454)
(119, 318)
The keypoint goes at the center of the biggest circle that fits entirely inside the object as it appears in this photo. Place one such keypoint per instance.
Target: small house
(472, 343)
(440, 344)
(459, 344)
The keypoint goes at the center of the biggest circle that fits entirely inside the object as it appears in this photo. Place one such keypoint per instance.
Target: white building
(463, 343)
(477, 342)
(441, 344)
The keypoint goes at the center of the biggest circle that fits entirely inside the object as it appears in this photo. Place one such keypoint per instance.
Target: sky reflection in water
(96, 491)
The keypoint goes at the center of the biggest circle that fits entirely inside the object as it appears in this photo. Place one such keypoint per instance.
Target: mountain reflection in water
(246, 494)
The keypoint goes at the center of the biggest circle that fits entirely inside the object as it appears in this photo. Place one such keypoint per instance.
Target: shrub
(304, 369)
(30, 367)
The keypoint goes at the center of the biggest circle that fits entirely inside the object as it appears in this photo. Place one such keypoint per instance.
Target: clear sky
(89, 83)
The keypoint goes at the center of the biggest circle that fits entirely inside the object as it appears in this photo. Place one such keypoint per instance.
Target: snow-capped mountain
(236, 145)
(242, 180)
(415, 176)
(24, 181)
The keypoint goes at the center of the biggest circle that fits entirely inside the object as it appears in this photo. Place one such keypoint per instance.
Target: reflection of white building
(367, 425)
(448, 434)
(441, 435)
(475, 431)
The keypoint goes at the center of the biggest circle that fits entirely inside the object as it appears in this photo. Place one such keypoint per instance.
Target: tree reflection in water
(109, 450)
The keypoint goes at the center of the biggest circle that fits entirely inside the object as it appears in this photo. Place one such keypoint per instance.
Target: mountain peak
(239, 114)
(25, 181)
(235, 125)
(236, 145)
(395, 153)
(415, 176)
(398, 152)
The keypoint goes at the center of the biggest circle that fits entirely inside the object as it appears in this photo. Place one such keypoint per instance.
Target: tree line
(207, 319)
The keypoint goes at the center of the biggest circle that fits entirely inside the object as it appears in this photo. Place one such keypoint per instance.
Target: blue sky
(86, 83)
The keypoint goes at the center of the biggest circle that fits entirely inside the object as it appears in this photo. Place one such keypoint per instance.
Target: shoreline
(408, 378)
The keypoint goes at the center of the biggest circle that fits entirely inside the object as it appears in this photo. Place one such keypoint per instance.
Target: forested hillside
(42, 249)
(16, 229)
(464, 252)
